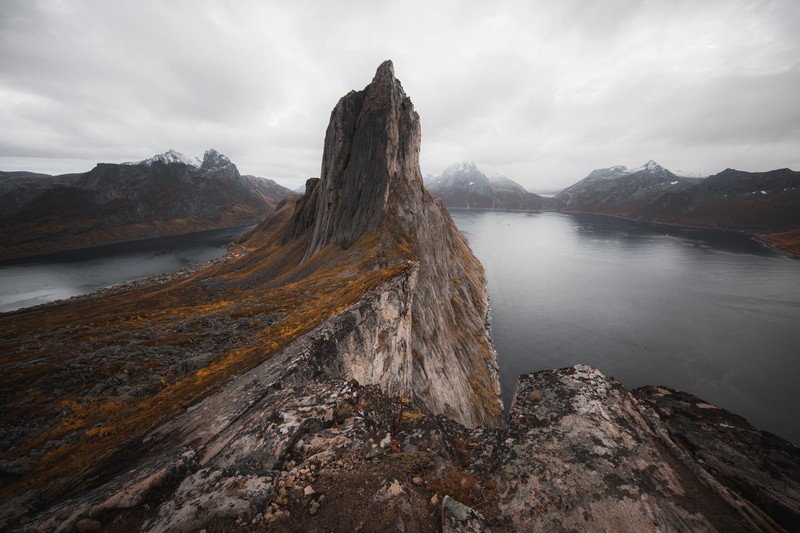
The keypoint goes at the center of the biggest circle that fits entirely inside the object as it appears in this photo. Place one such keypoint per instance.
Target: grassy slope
(267, 292)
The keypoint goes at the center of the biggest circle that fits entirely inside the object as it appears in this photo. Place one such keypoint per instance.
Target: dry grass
(268, 280)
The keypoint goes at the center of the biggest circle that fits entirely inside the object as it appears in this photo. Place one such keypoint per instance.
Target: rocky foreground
(339, 376)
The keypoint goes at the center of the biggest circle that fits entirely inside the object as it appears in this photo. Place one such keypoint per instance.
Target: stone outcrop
(371, 147)
(582, 454)
(293, 445)
(756, 470)
(371, 183)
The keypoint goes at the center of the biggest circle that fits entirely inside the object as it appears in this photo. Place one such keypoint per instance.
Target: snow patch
(170, 156)
(650, 166)
(460, 167)
(686, 174)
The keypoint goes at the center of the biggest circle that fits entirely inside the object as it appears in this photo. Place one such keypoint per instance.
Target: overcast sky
(542, 92)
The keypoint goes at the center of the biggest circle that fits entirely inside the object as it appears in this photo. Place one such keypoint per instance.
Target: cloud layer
(543, 92)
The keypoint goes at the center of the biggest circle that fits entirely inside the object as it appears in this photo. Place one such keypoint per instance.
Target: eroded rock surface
(582, 454)
(370, 182)
(296, 447)
(757, 468)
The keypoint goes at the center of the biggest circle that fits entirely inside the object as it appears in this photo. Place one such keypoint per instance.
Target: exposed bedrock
(371, 184)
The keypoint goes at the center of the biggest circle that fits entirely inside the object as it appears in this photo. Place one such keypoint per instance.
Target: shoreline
(144, 281)
(767, 238)
(10, 261)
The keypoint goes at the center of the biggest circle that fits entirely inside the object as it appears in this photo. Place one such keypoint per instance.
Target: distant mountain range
(766, 204)
(167, 194)
(763, 203)
(464, 186)
(619, 190)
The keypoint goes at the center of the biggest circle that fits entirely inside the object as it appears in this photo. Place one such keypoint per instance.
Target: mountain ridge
(766, 204)
(463, 185)
(166, 194)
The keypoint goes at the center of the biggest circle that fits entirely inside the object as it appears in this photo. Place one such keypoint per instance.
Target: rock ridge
(168, 194)
(370, 183)
(370, 145)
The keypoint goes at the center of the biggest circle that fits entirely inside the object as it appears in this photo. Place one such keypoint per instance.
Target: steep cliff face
(371, 184)
(381, 289)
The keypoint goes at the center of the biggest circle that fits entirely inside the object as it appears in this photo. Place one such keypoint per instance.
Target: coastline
(788, 242)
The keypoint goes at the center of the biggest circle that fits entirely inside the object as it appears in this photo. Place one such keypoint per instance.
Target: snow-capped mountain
(166, 194)
(731, 199)
(213, 160)
(170, 156)
(606, 189)
(464, 185)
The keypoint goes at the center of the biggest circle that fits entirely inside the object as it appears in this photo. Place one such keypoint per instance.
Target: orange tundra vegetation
(274, 297)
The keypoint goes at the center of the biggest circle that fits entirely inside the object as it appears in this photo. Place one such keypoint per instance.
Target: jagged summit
(167, 194)
(463, 175)
(623, 190)
(213, 160)
(170, 156)
(371, 146)
(460, 167)
(463, 185)
(371, 187)
(618, 171)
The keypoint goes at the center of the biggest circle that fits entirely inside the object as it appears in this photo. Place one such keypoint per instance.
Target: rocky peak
(651, 167)
(213, 160)
(370, 184)
(170, 156)
(371, 146)
(463, 176)
(460, 168)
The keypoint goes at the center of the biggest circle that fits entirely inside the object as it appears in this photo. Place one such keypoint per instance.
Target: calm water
(712, 313)
(44, 278)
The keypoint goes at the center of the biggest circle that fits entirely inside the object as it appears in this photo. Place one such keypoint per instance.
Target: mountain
(337, 374)
(464, 186)
(763, 203)
(619, 190)
(371, 185)
(166, 194)
(172, 156)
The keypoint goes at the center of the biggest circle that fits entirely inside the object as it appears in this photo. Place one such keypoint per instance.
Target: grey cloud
(543, 92)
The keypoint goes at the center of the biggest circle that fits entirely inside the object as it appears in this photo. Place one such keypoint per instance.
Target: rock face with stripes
(370, 184)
